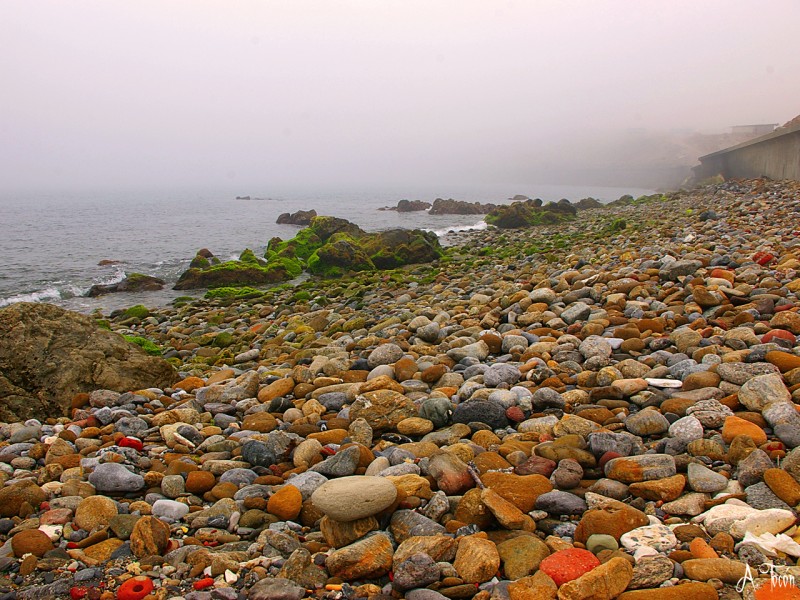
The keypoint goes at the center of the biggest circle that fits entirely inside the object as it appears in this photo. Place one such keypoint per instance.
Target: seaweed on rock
(329, 247)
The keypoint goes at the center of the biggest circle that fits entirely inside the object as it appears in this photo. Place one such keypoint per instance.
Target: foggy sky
(249, 94)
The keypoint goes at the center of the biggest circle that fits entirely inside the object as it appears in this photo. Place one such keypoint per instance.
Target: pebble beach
(603, 408)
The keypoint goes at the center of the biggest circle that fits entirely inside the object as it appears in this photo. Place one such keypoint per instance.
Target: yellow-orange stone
(783, 485)
(734, 426)
(286, 503)
(477, 559)
(220, 375)
(199, 482)
(700, 549)
(783, 360)
(189, 384)
(276, 389)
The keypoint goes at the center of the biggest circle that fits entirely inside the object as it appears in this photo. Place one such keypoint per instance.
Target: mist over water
(248, 94)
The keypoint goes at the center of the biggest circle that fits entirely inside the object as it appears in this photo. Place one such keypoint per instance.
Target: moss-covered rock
(203, 259)
(339, 255)
(301, 246)
(147, 345)
(530, 213)
(332, 246)
(137, 311)
(329, 246)
(397, 247)
(232, 292)
(292, 266)
(223, 339)
(248, 270)
(231, 273)
(325, 227)
(249, 257)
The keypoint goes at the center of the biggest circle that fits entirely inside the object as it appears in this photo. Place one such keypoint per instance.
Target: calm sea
(51, 244)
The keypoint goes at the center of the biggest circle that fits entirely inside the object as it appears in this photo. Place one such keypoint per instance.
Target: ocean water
(51, 243)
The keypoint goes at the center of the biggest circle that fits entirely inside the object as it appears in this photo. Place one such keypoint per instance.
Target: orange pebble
(700, 549)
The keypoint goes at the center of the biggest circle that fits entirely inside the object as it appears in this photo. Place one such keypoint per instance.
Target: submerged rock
(135, 282)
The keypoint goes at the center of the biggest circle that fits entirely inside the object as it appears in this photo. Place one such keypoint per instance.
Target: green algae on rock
(329, 247)
(137, 311)
(143, 343)
(531, 213)
(232, 292)
(248, 270)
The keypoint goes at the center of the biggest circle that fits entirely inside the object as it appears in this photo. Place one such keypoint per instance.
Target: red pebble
(135, 588)
(607, 457)
(778, 333)
(515, 414)
(129, 442)
(720, 273)
(203, 583)
(771, 446)
(566, 565)
(77, 593)
(763, 258)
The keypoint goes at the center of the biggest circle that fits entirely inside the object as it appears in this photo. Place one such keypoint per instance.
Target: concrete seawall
(775, 155)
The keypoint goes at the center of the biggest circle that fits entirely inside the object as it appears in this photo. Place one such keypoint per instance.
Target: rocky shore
(600, 408)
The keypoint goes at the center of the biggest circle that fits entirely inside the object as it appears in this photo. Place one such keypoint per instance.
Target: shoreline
(43, 273)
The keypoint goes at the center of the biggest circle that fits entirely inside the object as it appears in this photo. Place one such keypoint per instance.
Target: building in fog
(761, 129)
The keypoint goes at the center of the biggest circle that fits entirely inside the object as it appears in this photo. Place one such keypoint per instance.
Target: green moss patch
(148, 346)
(138, 311)
(329, 246)
(530, 214)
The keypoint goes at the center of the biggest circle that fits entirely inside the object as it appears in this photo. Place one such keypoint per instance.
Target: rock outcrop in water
(530, 213)
(135, 282)
(460, 207)
(329, 246)
(405, 206)
(301, 217)
(412, 205)
(207, 271)
(48, 354)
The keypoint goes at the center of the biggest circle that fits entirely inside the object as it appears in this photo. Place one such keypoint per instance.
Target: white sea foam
(49, 293)
(118, 275)
(458, 229)
(60, 290)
